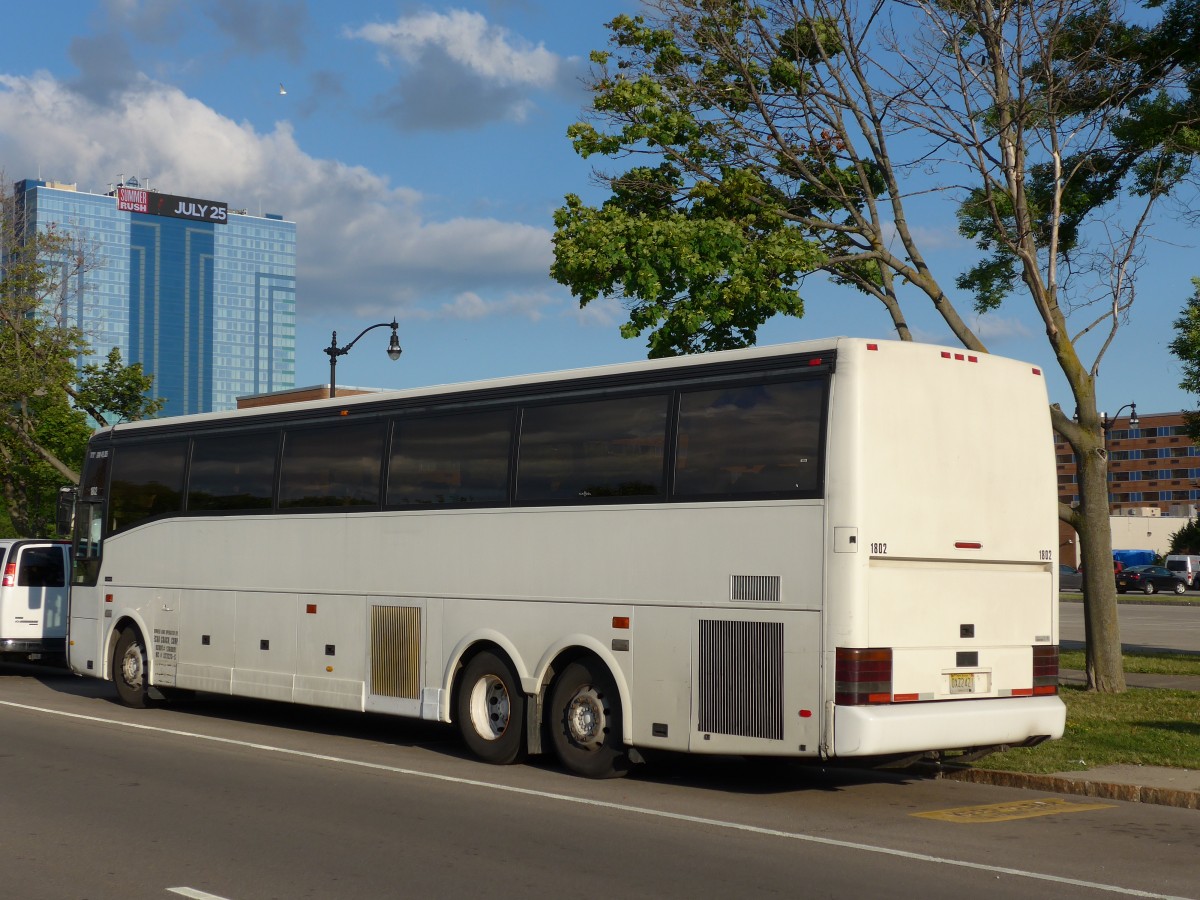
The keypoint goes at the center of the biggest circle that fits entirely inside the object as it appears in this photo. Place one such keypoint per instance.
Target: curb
(1065, 784)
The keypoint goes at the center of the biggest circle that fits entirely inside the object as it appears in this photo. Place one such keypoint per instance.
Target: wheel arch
(122, 622)
(466, 650)
(582, 646)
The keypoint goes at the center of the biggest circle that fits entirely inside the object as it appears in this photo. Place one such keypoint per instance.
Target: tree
(47, 406)
(1186, 347)
(813, 128)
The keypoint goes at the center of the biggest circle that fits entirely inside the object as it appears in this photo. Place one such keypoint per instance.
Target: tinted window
(233, 471)
(95, 473)
(42, 567)
(756, 439)
(592, 450)
(450, 459)
(337, 465)
(147, 480)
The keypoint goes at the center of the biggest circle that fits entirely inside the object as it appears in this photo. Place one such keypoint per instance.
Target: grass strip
(1140, 663)
(1149, 727)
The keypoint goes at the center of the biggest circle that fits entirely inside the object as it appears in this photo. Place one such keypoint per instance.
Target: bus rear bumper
(945, 725)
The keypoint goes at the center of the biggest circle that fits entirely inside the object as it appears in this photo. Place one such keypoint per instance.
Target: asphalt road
(221, 798)
(1143, 626)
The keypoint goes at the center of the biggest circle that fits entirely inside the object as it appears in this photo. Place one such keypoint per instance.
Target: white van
(33, 599)
(1187, 566)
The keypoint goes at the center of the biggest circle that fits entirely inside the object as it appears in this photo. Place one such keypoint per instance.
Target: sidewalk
(1136, 784)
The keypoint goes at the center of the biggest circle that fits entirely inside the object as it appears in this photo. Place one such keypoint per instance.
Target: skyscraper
(202, 296)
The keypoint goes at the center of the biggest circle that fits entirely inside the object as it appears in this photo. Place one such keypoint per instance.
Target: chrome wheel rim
(587, 719)
(490, 707)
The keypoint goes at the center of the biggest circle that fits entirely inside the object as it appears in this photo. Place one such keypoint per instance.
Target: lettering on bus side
(166, 643)
(879, 548)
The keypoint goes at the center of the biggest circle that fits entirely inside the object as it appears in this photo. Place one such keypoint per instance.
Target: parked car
(1149, 579)
(1069, 578)
(1186, 566)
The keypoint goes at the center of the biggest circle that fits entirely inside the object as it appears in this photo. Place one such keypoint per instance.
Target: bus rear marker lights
(968, 545)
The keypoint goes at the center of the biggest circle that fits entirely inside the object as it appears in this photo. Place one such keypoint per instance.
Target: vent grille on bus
(754, 588)
(741, 678)
(396, 651)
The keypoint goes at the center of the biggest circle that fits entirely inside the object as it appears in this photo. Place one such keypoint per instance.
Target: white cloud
(363, 243)
(469, 305)
(489, 51)
(459, 71)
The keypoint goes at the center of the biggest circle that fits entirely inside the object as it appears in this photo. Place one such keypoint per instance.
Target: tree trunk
(1102, 631)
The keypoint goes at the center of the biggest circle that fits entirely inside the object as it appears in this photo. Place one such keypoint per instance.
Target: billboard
(137, 200)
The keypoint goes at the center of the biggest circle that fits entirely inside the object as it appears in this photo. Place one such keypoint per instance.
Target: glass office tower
(204, 297)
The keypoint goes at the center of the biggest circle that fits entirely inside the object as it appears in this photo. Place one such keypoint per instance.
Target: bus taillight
(864, 676)
(1045, 669)
(10, 575)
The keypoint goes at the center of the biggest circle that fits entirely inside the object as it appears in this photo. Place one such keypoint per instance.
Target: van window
(42, 567)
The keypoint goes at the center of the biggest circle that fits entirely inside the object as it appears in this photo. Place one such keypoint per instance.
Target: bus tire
(585, 725)
(491, 710)
(131, 673)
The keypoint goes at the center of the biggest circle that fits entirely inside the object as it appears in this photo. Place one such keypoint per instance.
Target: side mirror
(64, 518)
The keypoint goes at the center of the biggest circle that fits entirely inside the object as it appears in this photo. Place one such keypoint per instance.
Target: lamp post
(334, 351)
(1106, 425)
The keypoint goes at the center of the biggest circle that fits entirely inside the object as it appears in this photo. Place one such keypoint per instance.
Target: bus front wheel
(586, 723)
(491, 710)
(131, 674)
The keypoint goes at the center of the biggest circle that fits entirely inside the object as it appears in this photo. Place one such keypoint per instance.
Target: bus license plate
(962, 682)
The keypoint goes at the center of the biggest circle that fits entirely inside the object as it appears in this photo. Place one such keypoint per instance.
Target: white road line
(193, 894)
(605, 804)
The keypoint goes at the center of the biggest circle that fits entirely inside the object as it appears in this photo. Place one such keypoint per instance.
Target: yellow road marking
(1006, 812)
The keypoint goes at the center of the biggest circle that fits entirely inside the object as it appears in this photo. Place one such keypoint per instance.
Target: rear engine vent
(754, 588)
(741, 678)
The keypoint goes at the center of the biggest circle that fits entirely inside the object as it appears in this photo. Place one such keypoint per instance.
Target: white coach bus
(832, 549)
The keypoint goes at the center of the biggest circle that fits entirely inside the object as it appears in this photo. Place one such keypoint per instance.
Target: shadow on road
(731, 774)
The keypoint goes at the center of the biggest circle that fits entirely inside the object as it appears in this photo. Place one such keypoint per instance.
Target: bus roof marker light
(968, 545)
(872, 346)
(1037, 371)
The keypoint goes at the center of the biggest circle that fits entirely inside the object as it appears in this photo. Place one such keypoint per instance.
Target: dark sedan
(1149, 579)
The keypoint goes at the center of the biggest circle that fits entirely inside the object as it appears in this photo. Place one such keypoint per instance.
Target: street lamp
(1106, 423)
(334, 351)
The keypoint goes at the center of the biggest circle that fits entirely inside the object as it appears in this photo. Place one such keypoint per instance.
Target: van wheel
(585, 724)
(131, 673)
(491, 710)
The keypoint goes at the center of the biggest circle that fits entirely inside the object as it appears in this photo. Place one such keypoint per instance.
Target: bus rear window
(751, 440)
(333, 465)
(147, 481)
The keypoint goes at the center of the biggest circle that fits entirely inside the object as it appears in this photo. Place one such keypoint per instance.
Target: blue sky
(421, 150)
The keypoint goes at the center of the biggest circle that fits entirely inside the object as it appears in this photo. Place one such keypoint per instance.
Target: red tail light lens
(1045, 670)
(10, 575)
(864, 676)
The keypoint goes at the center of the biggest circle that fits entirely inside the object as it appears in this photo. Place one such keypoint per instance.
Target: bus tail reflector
(864, 676)
(1045, 669)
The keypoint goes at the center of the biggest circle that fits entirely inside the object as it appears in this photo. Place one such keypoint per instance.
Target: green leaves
(703, 271)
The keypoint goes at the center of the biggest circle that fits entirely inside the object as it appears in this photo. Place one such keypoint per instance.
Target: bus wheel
(491, 710)
(586, 724)
(130, 671)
